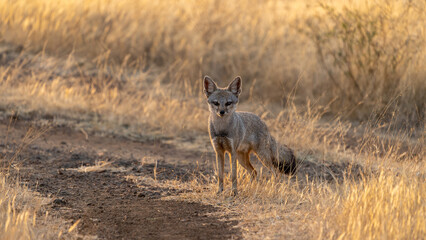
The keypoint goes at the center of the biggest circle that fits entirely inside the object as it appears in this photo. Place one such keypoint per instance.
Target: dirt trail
(108, 205)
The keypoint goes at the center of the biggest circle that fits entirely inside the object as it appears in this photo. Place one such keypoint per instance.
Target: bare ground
(108, 205)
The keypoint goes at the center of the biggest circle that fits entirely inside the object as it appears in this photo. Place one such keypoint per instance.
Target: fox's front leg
(220, 160)
(234, 173)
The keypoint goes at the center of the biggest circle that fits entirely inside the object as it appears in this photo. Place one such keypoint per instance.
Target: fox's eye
(216, 103)
(228, 103)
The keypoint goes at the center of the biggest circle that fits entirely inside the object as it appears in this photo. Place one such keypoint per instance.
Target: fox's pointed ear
(209, 86)
(235, 86)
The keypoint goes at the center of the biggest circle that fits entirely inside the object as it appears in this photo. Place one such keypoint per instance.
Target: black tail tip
(288, 167)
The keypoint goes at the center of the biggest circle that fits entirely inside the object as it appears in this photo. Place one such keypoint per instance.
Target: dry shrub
(370, 51)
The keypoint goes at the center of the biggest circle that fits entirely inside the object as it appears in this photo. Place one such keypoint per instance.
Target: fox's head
(222, 101)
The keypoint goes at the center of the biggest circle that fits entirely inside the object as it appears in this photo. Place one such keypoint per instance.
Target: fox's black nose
(222, 113)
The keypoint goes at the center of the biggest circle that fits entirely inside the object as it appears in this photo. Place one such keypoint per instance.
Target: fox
(240, 133)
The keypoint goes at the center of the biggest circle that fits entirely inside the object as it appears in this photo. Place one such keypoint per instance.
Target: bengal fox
(240, 133)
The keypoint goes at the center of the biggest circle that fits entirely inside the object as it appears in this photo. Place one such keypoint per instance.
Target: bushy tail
(282, 157)
(278, 156)
(287, 161)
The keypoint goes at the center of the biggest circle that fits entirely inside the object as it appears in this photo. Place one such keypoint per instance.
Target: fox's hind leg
(266, 157)
(244, 160)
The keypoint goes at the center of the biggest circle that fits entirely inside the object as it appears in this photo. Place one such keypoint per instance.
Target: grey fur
(240, 133)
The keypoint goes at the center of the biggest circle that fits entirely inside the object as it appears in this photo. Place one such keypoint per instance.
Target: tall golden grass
(365, 57)
(381, 207)
(14, 223)
(19, 214)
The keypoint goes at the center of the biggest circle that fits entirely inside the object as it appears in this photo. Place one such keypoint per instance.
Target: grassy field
(343, 84)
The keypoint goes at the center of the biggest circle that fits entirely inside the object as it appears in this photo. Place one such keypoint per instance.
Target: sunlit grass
(381, 207)
(17, 218)
(279, 47)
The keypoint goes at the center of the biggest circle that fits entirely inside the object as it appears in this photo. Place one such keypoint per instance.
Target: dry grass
(133, 67)
(380, 207)
(17, 205)
(124, 51)
(60, 89)
(20, 211)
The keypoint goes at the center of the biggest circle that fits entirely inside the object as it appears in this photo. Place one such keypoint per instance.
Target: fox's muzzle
(221, 113)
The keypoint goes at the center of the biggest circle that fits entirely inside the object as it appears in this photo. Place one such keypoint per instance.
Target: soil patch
(108, 205)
